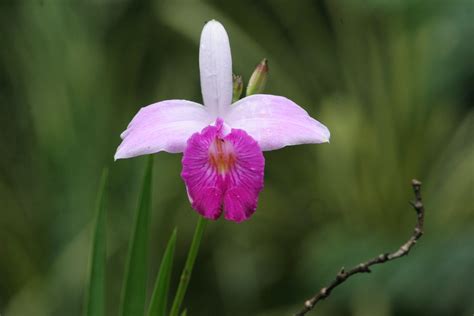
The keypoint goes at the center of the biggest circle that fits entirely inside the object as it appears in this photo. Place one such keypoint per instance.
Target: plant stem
(188, 267)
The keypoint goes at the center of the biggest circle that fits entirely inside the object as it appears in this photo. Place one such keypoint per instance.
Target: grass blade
(188, 266)
(159, 298)
(95, 296)
(135, 282)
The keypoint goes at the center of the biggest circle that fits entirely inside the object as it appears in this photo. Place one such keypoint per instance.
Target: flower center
(221, 155)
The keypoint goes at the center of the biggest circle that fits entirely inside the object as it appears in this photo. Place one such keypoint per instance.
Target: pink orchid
(222, 143)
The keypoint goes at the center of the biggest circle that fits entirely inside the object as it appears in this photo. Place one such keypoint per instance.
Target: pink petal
(223, 173)
(162, 126)
(215, 64)
(275, 122)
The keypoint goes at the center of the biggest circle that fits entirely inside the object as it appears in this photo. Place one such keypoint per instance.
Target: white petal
(215, 64)
(162, 126)
(275, 122)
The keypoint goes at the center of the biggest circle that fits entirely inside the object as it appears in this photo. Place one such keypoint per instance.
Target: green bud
(238, 87)
(258, 79)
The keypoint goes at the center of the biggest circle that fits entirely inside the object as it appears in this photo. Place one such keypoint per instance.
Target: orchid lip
(223, 173)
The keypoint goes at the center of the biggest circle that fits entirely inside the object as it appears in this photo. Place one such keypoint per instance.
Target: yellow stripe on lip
(222, 155)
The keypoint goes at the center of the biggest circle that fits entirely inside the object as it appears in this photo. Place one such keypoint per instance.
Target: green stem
(188, 267)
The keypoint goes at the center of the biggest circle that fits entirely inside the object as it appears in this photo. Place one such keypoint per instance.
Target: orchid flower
(222, 143)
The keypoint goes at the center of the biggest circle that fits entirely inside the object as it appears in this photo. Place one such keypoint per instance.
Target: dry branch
(404, 249)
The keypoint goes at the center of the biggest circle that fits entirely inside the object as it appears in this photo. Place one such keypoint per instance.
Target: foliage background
(393, 80)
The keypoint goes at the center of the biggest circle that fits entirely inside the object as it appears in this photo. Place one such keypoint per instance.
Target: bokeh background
(393, 80)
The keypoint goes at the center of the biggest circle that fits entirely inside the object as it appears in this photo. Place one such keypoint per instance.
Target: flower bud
(238, 87)
(258, 79)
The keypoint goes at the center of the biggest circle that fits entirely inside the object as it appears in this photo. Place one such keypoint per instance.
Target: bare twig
(364, 267)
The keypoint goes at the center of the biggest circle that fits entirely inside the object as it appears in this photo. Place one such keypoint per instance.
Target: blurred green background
(393, 80)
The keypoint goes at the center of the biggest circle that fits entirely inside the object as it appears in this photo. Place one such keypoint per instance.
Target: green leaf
(188, 266)
(159, 297)
(135, 282)
(95, 302)
(184, 313)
